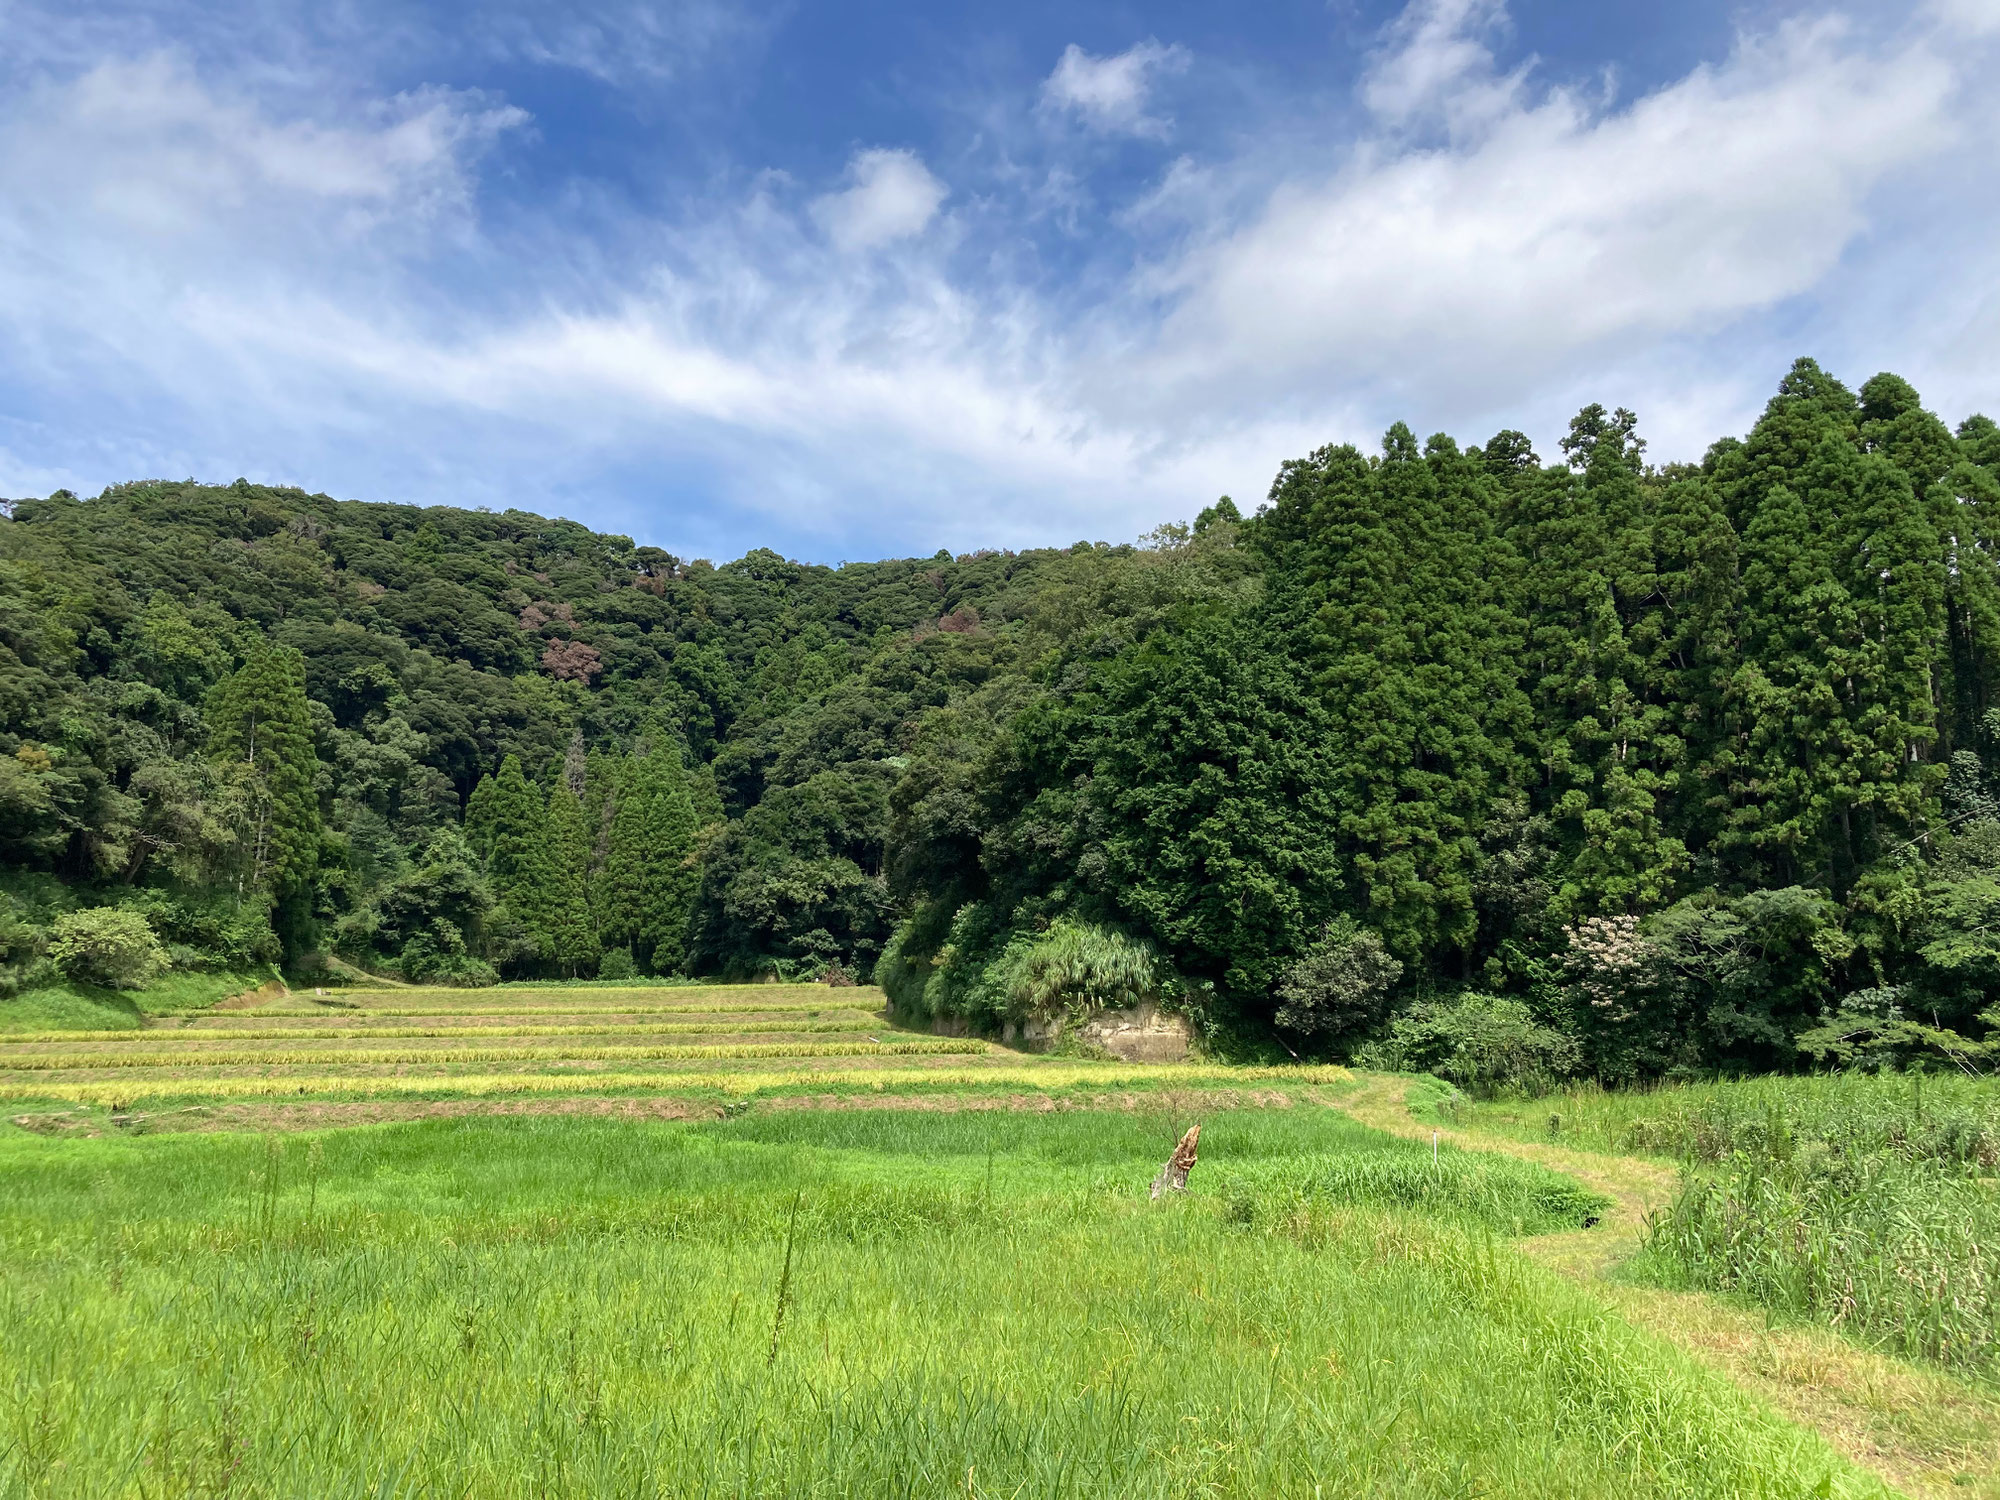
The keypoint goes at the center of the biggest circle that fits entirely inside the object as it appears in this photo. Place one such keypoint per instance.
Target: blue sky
(854, 281)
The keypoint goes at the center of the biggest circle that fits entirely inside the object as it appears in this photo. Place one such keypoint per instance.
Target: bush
(1338, 985)
(1073, 969)
(965, 963)
(105, 946)
(21, 945)
(939, 963)
(902, 979)
(1482, 1043)
(438, 955)
(214, 935)
(618, 964)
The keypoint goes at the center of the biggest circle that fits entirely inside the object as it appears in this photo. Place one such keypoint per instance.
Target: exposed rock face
(1143, 1034)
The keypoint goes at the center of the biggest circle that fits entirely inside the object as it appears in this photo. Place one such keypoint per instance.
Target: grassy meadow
(817, 1303)
(754, 1241)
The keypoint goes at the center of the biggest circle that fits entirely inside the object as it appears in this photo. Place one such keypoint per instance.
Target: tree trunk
(1174, 1175)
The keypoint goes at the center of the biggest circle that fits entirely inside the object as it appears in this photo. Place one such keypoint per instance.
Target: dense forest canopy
(1634, 768)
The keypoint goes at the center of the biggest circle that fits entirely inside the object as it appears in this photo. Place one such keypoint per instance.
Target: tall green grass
(1864, 1202)
(1944, 1118)
(88, 1007)
(1903, 1255)
(975, 1306)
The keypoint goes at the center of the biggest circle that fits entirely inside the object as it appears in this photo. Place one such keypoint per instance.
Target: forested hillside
(1465, 757)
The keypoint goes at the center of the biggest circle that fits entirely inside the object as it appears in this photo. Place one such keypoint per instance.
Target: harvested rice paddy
(703, 1043)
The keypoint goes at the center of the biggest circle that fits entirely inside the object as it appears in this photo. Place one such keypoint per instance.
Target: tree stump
(1174, 1175)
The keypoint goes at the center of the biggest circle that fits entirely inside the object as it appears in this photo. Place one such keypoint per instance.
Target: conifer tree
(1836, 697)
(517, 855)
(479, 818)
(647, 882)
(1624, 738)
(1787, 744)
(261, 727)
(1395, 561)
(1967, 509)
(572, 942)
(1687, 643)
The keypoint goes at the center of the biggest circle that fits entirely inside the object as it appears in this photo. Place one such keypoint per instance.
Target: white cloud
(892, 197)
(145, 146)
(1970, 17)
(1435, 63)
(1558, 232)
(1110, 93)
(614, 41)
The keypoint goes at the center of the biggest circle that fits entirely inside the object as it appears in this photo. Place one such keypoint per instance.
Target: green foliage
(537, 857)
(103, 945)
(1073, 969)
(1182, 789)
(260, 729)
(1694, 761)
(646, 887)
(568, 938)
(1483, 1043)
(207, 931)
(439, 913)
(22, 942)
(1337, 987)
(437, 954)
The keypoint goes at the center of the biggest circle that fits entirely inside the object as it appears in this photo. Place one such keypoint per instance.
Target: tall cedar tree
(647, 883)
(1836, 693)
(260, 727)
(571, 937)
(513, 829)
(1393, 591)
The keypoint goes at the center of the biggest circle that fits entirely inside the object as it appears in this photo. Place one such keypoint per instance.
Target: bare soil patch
(264, 994)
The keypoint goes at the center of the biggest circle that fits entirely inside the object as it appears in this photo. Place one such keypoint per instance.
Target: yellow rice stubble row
(1033, 1076)
(15, 1061)
(195, 1041)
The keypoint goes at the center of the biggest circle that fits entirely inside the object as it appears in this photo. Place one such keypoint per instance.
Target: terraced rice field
(704, 1042)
